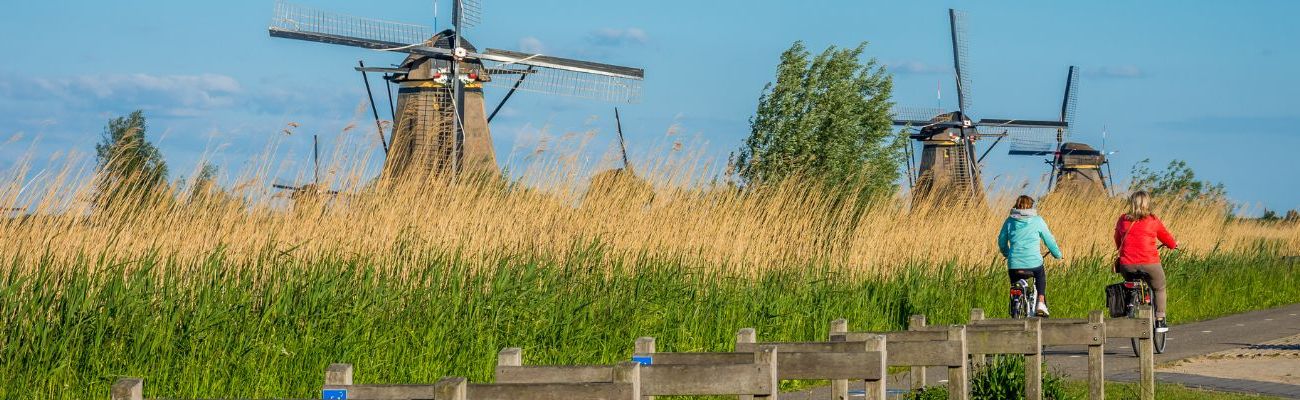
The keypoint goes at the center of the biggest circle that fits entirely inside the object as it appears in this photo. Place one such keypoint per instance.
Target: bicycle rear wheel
(1135, 298)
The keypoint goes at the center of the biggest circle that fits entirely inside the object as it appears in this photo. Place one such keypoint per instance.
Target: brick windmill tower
(441, 124)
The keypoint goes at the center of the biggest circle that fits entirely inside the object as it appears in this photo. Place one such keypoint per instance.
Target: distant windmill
(313, 190)
(440, 120)
(949, 171)
(612, 178)
(1075, 167)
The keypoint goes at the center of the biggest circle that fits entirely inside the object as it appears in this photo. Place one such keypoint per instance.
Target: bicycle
(1024, 297)
(1138, 293)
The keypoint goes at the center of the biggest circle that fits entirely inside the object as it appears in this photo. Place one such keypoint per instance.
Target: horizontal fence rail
(754, 369)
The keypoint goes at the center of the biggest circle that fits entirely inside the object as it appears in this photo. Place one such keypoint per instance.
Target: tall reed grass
(677, 211)
(240, 294)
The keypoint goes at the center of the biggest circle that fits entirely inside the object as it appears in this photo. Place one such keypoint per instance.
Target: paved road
(1184, 341)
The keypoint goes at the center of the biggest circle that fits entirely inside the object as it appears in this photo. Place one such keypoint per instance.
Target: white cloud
(531, 45)
(183, 93)
(618, 37)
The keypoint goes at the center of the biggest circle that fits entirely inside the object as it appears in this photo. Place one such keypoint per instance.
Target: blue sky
(1207, 82)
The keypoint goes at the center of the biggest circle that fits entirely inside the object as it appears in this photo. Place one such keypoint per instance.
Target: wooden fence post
(646, 346)
(630, 373)
(959, 376)
(451, 388)
(877, 389)
(840, 387)
(1096, 362)
(1147, 357)
(977, 359)
(510, 357)
(127, 389)
(746, 335)
(1034, 364)
(338, 374)
(916, 323)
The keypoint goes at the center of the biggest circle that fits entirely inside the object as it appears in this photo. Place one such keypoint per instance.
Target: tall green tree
(131, 169)
(825, 118)
(1177, 179)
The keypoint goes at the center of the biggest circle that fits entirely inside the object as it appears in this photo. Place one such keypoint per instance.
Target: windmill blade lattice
(551, 75)
(960, 51)
(471, 13)
(917, 117)
(562, 82)
(300, 22)
(1070, 103)
(1030, 141)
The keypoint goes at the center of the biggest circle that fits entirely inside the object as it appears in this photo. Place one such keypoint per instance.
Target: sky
(1203, 81)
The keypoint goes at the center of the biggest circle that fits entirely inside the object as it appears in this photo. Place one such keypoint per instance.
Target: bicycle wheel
(1136, 296)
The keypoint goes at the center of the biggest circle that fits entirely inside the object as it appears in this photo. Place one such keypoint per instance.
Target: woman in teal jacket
(1018, 241)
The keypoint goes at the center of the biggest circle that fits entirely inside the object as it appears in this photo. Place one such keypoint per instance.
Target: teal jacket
(1019, 238)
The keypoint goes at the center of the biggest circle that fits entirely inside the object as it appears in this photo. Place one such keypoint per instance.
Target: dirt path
(1188, 343)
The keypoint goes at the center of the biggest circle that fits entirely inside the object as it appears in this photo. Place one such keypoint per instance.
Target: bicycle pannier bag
(1117, 300)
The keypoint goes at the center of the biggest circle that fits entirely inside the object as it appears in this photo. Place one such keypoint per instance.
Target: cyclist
(1018, 242)
(1136, 234)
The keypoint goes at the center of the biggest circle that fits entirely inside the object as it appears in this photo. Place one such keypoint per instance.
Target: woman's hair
(1139, 205)
(1024, 202)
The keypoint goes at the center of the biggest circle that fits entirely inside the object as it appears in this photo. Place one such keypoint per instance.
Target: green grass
(1125, 391)
(268, 329)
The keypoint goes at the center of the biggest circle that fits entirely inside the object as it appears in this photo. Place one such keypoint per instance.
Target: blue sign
(334, 394)
(643, 360)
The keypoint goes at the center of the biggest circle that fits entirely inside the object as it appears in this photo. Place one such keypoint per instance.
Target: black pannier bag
(1117, 300)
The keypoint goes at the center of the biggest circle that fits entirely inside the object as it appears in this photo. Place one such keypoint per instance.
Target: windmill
(440, 120)
(948, 170)
(309, 191)
(613, 178)
(1075, 167)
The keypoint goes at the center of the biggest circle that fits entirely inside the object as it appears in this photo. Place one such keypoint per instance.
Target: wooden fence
(754, 369)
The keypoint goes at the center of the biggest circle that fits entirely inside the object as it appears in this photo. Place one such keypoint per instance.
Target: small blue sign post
(643, 360)
(334, 394)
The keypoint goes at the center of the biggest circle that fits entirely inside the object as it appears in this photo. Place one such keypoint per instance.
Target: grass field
(1125, 391)
(240, 296)
(269, 329)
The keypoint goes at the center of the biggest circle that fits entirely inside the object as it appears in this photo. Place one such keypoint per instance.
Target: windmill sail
(440, 119)
(564, 82)
(1035, 141)
(960, 48)
(469, 13)
(552, 75)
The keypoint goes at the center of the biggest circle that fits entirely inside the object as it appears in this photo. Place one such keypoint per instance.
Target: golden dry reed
(675, 208)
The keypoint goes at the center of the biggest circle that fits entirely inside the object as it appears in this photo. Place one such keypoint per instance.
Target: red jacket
(1138, 246)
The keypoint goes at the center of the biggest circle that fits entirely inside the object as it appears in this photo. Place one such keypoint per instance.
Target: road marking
(1268, 319)
(1207, 331)
(1241, 324)
(1075, 356)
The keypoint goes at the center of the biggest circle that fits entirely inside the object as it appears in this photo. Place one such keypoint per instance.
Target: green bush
(1002, 377)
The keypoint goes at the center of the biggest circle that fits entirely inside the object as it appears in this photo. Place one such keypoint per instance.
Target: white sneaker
(1042, 309)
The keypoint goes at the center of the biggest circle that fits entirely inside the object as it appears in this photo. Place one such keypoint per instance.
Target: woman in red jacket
(1136, 234)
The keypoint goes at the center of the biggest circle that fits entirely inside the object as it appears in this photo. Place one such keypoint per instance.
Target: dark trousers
(1039, 275)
